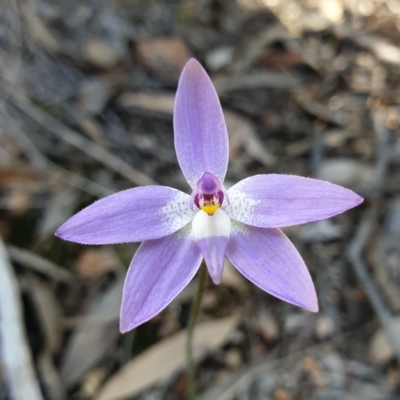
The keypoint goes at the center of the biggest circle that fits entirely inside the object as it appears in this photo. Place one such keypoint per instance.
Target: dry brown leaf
(95, 262)
(380, 351)
(164, 56)
(346, 172)
(267, 325)
(385, 51)
(59, 208)
(324, 327)
(231, 277)
(233, 358)
(18, 203)
(95, 335)
(282, 394)
(48, 312)
(20, 184)
(161, 103)
(100, 54)
(19, 178)
(255, 46)
(281, 59)
(164, 358)
(242, 134)
(96, 92)
(210, 300)
(321, 111)
(385, 27)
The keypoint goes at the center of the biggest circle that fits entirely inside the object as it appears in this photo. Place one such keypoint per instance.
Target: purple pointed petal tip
(133, 215)
(273, 201)
(213, 250)
(201, 136)
(159, 271)
(268, 259)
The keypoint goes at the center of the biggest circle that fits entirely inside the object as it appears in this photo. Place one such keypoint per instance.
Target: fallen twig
(75, 139)
(319, 110)
(385, 51)
(230, 387)
(39, 264)
(42, 163)
(359, 242)
(354, 254)
(259, 80)
(383, 152)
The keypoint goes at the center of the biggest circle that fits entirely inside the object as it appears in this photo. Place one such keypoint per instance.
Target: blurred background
(308, 87)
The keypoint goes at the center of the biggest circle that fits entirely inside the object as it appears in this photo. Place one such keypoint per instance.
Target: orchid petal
(132, 215)
(211, 233)
(272, 201)
(201, 138)
(159, 271)
(268, 259)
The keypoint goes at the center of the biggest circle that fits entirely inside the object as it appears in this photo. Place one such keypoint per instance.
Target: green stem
(194, 313)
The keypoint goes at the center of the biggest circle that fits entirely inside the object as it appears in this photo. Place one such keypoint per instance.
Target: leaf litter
(86, 100)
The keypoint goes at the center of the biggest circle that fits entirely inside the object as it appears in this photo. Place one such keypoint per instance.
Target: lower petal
(211, 233)
(159, 271)
(213, 250)
(268, 259)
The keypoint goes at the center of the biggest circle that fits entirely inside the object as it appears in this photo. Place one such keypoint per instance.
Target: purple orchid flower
(178, 230)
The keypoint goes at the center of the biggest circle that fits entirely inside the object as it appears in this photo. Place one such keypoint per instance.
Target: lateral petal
(159, 271)
(268, 259)
(133, 215)
(272, 201)
(211, 233)
(201, 137)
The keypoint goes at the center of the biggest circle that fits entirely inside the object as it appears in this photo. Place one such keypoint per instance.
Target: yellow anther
(210, 209)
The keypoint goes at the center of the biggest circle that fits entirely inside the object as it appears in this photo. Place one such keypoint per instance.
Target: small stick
(354, 254)
(75, 139)
(359, 242)
(194, 313)
(234, 384)
(39, 264)
(43, 164)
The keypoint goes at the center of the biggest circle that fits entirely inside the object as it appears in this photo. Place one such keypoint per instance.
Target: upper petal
(268, 259)
(201, 138)
(133, 215)
(158, 272)
(271, 201)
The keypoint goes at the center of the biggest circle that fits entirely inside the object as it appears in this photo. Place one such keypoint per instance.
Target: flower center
(209, 193)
